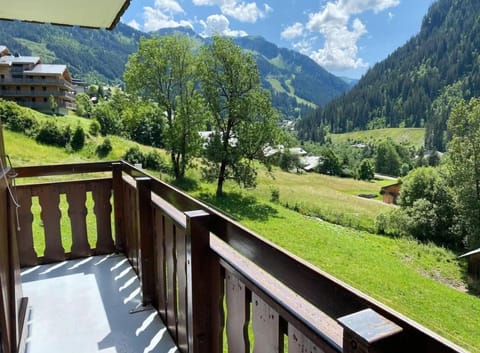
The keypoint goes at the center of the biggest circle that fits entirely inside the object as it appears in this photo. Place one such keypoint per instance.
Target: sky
(345, 37)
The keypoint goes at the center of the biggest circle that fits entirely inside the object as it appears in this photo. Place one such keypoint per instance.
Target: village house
(30, 83)
(390, 193)
(473, 258)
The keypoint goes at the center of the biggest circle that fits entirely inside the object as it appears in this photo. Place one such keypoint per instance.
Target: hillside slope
(297, 83)
(400, 90)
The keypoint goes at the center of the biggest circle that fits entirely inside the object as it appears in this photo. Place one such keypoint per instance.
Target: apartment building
(30, 83)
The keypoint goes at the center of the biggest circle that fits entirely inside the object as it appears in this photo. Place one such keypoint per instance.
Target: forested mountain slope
(437, 66)
(296, 82)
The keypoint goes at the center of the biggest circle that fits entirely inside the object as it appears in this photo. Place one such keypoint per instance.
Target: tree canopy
(243, 120)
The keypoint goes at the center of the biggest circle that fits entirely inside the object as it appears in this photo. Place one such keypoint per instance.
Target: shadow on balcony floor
(91, 305)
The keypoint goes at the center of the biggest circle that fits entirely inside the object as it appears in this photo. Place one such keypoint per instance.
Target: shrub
(94, 128)
(154, 161)
(104, 149)
(275, 195)
(78, 139)
(50, 134)
(134, 156)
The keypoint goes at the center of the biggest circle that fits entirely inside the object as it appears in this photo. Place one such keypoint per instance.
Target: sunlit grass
(413, 136)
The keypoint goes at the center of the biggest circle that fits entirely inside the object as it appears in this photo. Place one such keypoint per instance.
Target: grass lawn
(414, 136)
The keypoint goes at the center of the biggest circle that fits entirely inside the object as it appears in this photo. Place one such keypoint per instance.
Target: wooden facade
(390, 193)
(473, 270)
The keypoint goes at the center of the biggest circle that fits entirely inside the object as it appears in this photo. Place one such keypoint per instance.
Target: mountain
(296, 82)
(415, 85)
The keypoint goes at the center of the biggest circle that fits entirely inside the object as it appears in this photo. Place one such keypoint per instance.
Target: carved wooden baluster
(180, 241)
(170, 253)
(28, 256)
(103, 209)
(160, 266)
(77, 211)
(49, 199)
(298, 343)
(266, 327)
(238, 315)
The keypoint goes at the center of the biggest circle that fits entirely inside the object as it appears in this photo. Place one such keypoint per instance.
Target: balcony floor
(90, 305)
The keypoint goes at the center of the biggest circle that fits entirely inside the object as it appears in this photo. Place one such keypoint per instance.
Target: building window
(18, 88)
(32, 88)
(45, 100)
(33, 100)
(2, 76)
(44, 88)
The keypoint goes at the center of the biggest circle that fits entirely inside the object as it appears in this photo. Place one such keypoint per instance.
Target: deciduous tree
(243, 118)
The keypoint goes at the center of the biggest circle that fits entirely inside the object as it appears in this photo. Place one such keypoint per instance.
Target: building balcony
(38, 81)
(37, 93)
(204, 281)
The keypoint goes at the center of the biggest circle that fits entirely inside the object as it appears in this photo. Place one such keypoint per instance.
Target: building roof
(390, 188)
(86, 13)
(47, 69)
(468, 254)
(3, 49)
(10, 59)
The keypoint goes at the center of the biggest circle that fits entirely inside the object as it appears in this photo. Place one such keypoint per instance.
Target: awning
(85, 13)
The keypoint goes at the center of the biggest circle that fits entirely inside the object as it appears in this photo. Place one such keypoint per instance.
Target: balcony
(37, 93)
(37, 81)
(215, 285)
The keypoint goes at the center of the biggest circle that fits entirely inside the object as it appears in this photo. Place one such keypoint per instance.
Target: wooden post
(204, 289)
(145, 230)
(368, 332)
(118, 207)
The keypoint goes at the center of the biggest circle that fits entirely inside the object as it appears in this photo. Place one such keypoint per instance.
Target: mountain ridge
(297, 84)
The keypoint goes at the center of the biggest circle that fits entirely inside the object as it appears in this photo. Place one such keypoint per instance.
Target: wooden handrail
(287, 295)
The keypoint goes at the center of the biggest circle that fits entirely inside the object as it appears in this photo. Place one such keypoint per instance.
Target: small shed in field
(390, 193)
(473, 258)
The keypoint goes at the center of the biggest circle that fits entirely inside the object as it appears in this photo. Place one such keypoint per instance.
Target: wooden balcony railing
(208, 276)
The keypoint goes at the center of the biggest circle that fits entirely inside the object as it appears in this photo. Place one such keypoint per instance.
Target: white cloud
(156, 18)
(340, 29)
(170, 6)
(134, 24)
(241, 11)
(219, 24)
(293, 31)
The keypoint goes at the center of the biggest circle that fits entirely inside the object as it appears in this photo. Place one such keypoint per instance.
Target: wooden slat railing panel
(28, 256)
(160, 265)
(49, 199)
(77, 211)
(266, 327)
(171, 272)
(49, 195)
(101, 194)
(238, 314)
(180, 241)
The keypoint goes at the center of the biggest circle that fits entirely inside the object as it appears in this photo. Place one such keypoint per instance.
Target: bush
(134, 156)
(50, 134)
(104, 149)
(16, 119)
(94, 128)
(78, 139)
(275, 195)
(150, 160)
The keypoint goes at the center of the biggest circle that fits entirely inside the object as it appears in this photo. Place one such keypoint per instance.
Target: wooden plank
(77, 211)
(238, 314)
(118, 201)
(299, 343)
(171, 278)
(180, 241)
(6, 325)
(204, 275)
(130, 212)
(266, 327)
(101, 194)
(49, 200)
(63, 169)
(160, 266)
(28, 256)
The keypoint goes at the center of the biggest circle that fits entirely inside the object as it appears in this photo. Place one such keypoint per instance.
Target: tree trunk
(221, 178)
